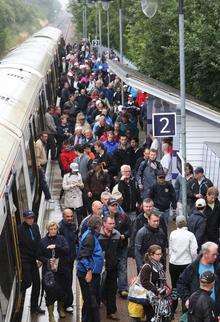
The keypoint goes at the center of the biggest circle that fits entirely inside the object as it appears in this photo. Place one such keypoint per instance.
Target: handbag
(49, 280)
(138, 294)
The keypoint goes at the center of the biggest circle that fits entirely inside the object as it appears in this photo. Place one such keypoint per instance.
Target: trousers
(31, 276)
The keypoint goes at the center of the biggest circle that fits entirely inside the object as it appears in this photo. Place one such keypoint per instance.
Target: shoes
(123, 294)
(112, 317)
(50, 200)
(69, 309)
(37, 310)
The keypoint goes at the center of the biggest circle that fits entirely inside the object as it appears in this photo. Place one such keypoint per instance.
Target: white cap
(200, 203)
(74, 167)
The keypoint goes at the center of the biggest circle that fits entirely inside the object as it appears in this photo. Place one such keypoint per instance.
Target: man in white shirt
(166, 162)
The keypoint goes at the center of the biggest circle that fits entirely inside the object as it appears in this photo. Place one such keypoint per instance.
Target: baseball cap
(199, 170)
(112, 201)
(161, 173)
(207, 277)
(200, 203)
(28, 213)
(74, 167)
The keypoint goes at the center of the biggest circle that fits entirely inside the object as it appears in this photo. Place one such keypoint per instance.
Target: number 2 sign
(164, 124)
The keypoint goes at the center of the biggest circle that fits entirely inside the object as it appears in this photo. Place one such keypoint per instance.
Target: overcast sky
(64, 3)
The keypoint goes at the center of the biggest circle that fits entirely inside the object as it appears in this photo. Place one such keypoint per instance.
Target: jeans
(43, 184)
(122, 270)
(31, 276)
(132, 216)
(166, 215)
(91, 295)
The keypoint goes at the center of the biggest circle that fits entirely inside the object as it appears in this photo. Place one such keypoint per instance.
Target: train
(29, 77)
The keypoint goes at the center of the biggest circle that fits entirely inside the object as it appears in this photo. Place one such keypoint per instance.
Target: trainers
(50, 200)
(69, 309)
(124, 294)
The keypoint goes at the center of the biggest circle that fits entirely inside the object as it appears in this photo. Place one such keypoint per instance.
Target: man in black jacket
(67, 228)
(149, 235)
(201, 306)
(131, 198)
(197, 187)
(29, 239)
(123, 225)
(110, 240)
(188, 281)
(212, 213)
(124, 153)
(163, 195)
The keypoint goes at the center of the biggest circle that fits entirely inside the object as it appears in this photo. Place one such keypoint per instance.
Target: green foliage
(17, 16)
(152, 44)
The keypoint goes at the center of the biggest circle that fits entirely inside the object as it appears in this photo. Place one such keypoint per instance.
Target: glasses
(158, 254)
(115, 204)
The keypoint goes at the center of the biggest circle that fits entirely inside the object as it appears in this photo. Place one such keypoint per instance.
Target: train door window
(22, 194)
(48, 88)
(7, 267)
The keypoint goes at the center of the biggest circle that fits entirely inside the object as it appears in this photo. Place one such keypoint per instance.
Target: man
(166, 161)
(110, 145)
(110, 239)
(197, 222)
(197, 187)
(131, 197)
(122, 224)
(96, 211)
(51, 131)
(67, 228)
(29, 239)
(212, 213)
(149, 235)
(103, 157)
(189, 280)
(124, 153)
(142, 218)
(82, 160)
(89, 267)
(163, 195)
(105, 196)
(147, 173)
(41, 161)
(201, 306)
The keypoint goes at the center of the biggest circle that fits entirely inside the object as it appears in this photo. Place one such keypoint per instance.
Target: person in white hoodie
(182, 252)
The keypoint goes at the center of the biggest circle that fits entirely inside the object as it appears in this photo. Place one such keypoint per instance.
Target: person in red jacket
(67, 156)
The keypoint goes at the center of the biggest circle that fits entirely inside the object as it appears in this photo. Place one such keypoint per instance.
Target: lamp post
(105, 6)
(120, 14)
(100, 31)
(149, 8)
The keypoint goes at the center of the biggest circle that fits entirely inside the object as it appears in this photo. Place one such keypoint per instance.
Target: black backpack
(49, 280)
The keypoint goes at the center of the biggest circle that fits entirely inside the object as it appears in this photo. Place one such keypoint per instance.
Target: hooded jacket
(197, 225)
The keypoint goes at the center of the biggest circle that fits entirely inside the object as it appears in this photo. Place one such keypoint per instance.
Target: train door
(12, 261)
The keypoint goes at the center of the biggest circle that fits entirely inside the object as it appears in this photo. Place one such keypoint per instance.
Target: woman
(212, 212)
(152, 278)
(81, 122)
(182, 251)
(73, 196)
(53, 248)
(98, 180)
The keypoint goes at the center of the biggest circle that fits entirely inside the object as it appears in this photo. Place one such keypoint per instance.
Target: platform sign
(95, 42)
(164, 124)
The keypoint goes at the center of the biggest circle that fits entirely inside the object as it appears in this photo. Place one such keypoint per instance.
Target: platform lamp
(105, 6)
(149, 8)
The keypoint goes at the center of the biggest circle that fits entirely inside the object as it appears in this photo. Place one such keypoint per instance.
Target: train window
(48, 88)
(22, 194)
(7, 267)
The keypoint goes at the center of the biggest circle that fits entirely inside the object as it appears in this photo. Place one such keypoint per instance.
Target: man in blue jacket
(89, 268)
(67, 228)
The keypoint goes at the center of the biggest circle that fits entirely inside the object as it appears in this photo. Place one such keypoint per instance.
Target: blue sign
(164, 124)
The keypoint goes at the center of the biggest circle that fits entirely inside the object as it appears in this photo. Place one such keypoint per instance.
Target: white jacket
(72, 185)
(182, 247)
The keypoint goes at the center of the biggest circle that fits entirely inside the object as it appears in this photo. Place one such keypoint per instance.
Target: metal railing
(211, 163)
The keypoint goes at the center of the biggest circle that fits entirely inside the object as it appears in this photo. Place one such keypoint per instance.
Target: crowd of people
(119, 201)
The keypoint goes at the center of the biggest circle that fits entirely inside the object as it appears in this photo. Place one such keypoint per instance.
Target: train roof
(18, 89)
(36, 53)
(49, 32)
